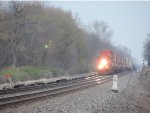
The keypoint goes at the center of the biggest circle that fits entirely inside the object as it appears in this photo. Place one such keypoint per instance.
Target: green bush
(56, 71)
(29, 73)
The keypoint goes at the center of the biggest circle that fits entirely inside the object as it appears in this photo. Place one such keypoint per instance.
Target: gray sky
(130, 21)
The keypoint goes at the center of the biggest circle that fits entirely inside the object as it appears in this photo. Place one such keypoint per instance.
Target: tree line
(38, 35)
(146, 50)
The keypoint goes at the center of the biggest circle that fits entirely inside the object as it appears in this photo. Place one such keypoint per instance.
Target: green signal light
(46, 46)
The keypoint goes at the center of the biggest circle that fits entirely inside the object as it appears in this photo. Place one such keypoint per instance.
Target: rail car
(110, 62)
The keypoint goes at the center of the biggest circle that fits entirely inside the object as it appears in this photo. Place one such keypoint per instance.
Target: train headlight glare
(106, 67)
(100, 67)
(104, 62)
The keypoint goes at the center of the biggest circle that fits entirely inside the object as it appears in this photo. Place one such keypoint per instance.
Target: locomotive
(110, 62)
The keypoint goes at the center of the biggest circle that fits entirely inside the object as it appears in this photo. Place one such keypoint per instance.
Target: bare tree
(102, 30)
(146, 52)
(32, 34)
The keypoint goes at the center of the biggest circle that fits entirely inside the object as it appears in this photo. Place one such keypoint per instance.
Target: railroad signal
(143, 63)
(46, 46)
(148, 60)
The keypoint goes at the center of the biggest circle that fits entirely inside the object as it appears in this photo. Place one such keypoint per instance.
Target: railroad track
(27, 93)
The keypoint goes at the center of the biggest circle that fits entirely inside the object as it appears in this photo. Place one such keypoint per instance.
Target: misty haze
(74, 57)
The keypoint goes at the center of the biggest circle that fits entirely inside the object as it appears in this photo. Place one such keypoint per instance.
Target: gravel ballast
(98, 99)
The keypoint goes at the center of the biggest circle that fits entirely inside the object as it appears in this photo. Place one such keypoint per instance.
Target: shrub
(29, 73)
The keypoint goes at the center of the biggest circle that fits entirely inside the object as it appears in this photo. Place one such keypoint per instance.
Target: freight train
(110, 62)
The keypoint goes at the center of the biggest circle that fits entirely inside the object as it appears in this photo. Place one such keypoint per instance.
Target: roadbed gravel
(97, 99)
(46, 80)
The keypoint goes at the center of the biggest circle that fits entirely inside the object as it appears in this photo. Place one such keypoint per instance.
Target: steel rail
(68, 87)
(53, 88)
(53, 91)
(36, 87)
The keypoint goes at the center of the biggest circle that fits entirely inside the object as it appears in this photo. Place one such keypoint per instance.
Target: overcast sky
(130, 21)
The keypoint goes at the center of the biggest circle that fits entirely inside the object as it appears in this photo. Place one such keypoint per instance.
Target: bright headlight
(103, 62)
(100, 66)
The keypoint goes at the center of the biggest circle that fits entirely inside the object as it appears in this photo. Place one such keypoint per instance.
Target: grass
(29, 73)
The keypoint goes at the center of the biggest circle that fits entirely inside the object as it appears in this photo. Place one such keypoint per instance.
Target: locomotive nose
(103, 64)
